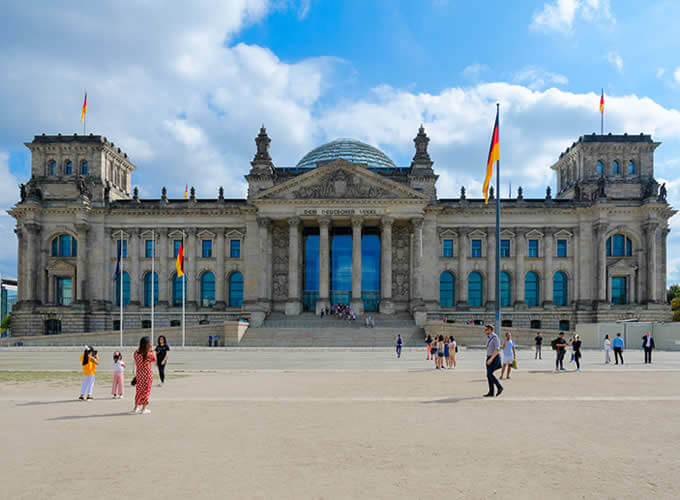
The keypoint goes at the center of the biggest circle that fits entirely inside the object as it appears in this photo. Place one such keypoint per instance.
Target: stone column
(294, 304)
(190, 268)
(81, 264)
(220, 282)
(265, 278)
(548, 245)
(135, 279)
(651, 256)
(662, 270)
(521, 245)
(491, 269)
(584, 291)
(31, 234)
(21, 263)
(324, 264)
(357, 304)
(601, 260)
(417, 296)
(386, 304)
(461, 292)
(164, 297)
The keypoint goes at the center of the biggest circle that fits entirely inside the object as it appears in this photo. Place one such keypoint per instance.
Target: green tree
(6, 322)
(676, 315)
(675, 303)
(672, 292)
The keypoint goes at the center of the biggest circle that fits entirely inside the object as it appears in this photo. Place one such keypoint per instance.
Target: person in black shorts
(539, 343)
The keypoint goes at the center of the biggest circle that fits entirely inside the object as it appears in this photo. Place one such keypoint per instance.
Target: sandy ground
(263, 427)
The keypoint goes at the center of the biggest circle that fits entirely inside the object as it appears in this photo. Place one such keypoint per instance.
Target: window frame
(529, 249)
(235, 301)
(84, 167)
(619, 299)
(68, 167)
(233, 241)
(206, 293)
(447, 248)
(149, 248)
(206, 244)
(60, 281)
(506, 294)
(563, 291)
(472, 248)
(470, 283)
(528, 290)
(505, 248)
(451, 291)
(561, 244)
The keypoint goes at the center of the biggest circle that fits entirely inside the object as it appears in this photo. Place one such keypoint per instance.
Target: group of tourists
(441, 350)
(144, 358)
(342, 311)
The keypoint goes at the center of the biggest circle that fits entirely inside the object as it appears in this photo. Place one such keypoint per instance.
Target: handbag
(514, 364)
(133, 382)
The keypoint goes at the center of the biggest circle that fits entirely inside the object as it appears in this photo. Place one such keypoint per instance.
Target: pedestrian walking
(509, 355)
(399, 344)
(618, 345)
(560, 347)
(493, 362)
(162, 351)
(538, 340)
(89, 361)
(428, 345)
(648, 345)
(576, 346)
(118, 387)
(144, 358)
(607, 350)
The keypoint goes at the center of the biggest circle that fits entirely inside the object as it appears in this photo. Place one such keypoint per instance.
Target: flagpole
(498, 229)
(184, 292)
(85, 118)
(602, 116)
(121, 279)
(153, 276)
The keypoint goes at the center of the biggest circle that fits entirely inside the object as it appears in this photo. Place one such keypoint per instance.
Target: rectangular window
(175, 247)
(148, 249)
(447, 250)
(561, 248)
(505, 248)
(619, 290)
(118, 242)
(533, 248)
(64, 291)
(206, 249)
(476, 248)
(235, 249)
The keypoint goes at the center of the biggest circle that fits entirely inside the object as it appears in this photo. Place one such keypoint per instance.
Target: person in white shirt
(118, 380)
(607, 349)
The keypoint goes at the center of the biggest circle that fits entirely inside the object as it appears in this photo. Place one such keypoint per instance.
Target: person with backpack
(559, 345)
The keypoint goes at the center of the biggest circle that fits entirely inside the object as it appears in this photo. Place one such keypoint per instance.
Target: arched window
(83, 167)
(531, 289)
(616, 170)
(64, 245)
(236, 290)
(631, 167)
(207, 289)
(619, 246)
(147, 289)
(560, 296)
(126, 289)
(506, 295)
(447, 289)
(475, 289)
(68, 167)
(600, 167)
(177, 289)
(51, 167)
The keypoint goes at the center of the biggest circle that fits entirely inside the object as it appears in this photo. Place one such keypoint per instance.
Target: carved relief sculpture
(400, 262)
(280, 262)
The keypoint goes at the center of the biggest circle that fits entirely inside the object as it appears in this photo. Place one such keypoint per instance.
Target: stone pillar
(584, 291)
(461, 292)
(491, 269)
(546, 286)
(357, 304)
(31, 234)
(21, 263)
(220, 281)
(164, 297)
(601, 260)
(252, 268)
(191, 269)
(651, 256)
(294, 304)
(386, 304)
(265, 283)
(135, 280)
(81, 264)
(662, 270)
(431, 254)
(417, 296)
(520, 253)
(324, 264)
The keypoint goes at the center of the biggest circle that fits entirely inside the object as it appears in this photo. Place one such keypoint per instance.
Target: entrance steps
(309, 330)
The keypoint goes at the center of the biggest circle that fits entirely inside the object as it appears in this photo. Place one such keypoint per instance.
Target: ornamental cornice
(342, 202)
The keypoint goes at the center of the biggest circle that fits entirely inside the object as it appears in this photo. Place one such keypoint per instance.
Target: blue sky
(184, 89)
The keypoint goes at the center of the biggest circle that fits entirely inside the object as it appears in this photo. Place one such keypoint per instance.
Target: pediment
(60, 266)
(235, 233)
(563, 234)
(118, 234)
(148, 234)
(534, 233)
(622, 265)
(340, 179)
(447, 234)
(176, 234)
(477, 233)
(206, 235)
(507, 234)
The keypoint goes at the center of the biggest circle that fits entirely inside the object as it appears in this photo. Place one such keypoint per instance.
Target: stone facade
(604, 233)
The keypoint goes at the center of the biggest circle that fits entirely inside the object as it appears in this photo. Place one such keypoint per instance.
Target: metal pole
(184, 292)
(602, 117)
(498, 230)
(153, 278)
(120, 279)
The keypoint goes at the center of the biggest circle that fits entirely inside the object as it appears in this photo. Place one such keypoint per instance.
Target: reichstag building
(343, 226)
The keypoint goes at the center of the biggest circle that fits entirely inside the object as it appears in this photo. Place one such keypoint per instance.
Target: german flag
(180, 260)
(494, 155)
(186, 191)
(602, 103)
(83, 111)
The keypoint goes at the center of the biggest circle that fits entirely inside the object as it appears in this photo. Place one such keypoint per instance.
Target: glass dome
(347, 149)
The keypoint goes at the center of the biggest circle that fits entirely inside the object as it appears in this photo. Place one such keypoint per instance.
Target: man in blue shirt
(617, 344)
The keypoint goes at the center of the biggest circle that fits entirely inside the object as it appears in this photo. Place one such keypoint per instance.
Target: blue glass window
(600, 167)
(64, 291)
(341, 268)
(506, 290)
(533, 248)
(531, 289)
(310, 293)
(505, 248)
(616, 170)
(175, 247)
(147, 289)
(236, 290)
(561, 248)
(207, 289)
(447, 250)
(68, 167)
(51, 167)
(560, 284)
(475, 289)
(64, 246)
(447, 290)
(177, 289)
(476, 248)
(126, 289)
(235, 249)
(124, 248)
(631, 167)
(370, 262)
(148, 249)
(83, 167)
(619, 246)
(619, 290)
(206, 249)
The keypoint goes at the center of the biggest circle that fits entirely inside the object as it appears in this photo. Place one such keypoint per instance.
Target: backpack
(554, 344)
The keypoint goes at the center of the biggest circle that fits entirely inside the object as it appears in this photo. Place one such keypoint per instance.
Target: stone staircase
(309, 330)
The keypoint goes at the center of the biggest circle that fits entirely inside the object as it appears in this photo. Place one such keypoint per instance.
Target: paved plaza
(341, 423)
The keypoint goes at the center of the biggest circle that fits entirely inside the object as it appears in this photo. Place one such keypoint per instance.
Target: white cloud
(537, 78)
(615, 60)
(303, 9)
(660, 72)
(474, 71)
(9, 190)
(676, 75)
(561, 15)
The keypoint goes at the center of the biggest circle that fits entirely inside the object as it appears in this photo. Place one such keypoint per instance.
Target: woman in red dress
(144, 359)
